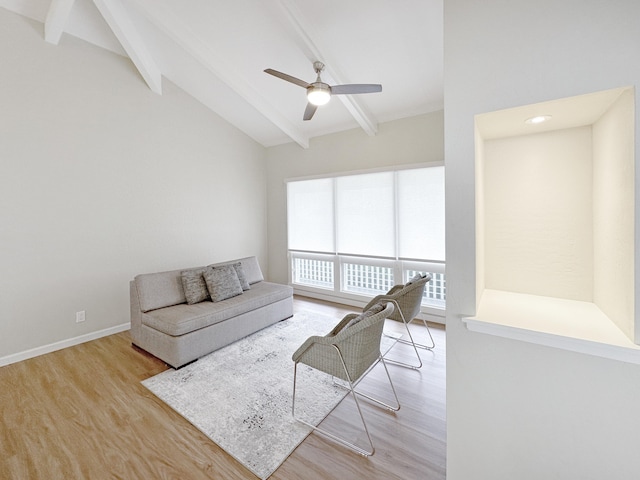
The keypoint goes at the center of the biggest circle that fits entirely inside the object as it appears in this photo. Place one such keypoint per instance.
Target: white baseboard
(52, 347)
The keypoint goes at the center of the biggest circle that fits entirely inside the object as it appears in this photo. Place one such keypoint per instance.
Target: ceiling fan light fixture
(318, 94)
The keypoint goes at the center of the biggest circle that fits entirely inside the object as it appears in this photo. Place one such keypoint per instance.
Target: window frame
(400, 267)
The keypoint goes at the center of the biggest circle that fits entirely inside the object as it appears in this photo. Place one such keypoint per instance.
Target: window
(358, 235)
(310, 215)
(365, 214)
(421, 213)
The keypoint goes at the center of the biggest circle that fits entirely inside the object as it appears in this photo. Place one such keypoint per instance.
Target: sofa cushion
(250, 266)
(244, 283)
(180, 319)
(373, 310)
(222, 282)
(416, 278)
(195, 288)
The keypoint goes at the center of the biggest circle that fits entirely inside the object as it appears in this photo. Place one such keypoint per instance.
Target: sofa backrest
(163, 289)
(250, 266)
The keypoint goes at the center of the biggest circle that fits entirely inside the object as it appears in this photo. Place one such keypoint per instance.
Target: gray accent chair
(348, 352)
(407, 299)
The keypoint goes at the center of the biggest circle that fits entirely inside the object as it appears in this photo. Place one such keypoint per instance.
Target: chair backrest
(409, 298)
(359, 345)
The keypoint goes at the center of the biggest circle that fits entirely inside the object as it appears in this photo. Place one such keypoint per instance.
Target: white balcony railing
(313, 272)
(369, 280)
(367, 277)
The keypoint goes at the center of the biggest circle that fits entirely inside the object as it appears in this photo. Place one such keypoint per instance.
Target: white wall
(613, 171)
(102, 179)
(401, 142)
(538, 215)
(518, 410)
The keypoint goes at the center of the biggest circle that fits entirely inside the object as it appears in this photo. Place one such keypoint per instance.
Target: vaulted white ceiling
(216, 50)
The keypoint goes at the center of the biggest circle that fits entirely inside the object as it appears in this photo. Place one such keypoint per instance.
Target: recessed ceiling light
(538, 119)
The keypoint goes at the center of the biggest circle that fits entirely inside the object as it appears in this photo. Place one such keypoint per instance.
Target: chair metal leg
(407, 342)
(375, 400)
(420, 345)
(351, 388)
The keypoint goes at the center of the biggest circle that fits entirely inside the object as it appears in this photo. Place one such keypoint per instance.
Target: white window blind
(394, 215)
(310, 215)
(421, 213)
(365, 214)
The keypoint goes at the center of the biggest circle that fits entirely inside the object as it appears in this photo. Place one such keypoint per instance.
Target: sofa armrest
(135, 310)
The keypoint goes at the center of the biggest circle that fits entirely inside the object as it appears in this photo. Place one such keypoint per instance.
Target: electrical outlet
(80, 316)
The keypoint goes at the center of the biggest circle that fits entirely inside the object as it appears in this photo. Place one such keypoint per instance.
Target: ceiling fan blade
(355, 88)
(309, 111)
(286, 77)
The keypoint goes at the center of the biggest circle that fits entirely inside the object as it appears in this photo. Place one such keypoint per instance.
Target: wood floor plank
(81, 413)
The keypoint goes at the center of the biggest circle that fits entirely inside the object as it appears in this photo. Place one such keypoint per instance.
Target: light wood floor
(81, 413)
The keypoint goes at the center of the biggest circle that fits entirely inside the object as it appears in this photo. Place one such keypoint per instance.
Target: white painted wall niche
(555, 224)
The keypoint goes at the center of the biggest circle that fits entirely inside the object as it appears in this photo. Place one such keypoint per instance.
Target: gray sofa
(165, 325)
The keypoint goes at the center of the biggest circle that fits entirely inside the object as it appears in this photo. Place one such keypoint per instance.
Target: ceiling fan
(319, 92)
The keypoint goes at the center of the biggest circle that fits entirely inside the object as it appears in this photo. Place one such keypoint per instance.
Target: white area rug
(240, 395)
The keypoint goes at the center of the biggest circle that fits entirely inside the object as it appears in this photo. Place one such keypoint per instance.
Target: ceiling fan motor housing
(318, 67)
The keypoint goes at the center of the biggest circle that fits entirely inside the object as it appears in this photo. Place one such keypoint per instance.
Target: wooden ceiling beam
(309, 43)
(119, 22)
(215, 64)
(56, 19)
